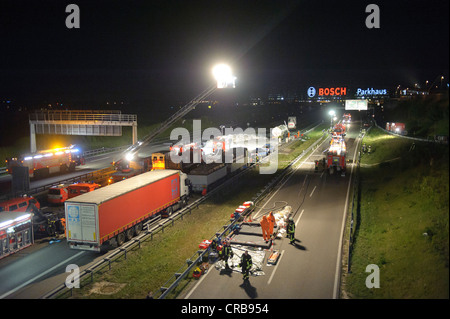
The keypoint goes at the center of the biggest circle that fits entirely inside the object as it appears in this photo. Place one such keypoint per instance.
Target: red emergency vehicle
(58, 194)
(81, 188)
(18, 204)
(43, 163)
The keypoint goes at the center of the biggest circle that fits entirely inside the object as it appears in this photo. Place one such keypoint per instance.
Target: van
(58, 194)
(19, 204)
(81, 188)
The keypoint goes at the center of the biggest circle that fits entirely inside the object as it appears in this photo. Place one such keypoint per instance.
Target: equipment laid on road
(273, 258)
(257, 255)
(117, 212)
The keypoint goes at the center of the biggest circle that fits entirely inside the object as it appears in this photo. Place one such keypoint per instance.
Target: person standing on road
(271, 220)
(227, 252)
(290, 229)
(265, 228)
(246, 264)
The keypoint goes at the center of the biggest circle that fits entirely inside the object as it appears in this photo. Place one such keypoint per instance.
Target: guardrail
(148, 234)
(175, 279)
(94, 176)
(3, 170)
(103, 150)
(178, 276)
(409, 137)
(355, 204)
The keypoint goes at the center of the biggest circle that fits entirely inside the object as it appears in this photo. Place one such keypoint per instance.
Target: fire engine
(43, 163)
(336, 156)
(347, 118)
(339, 130)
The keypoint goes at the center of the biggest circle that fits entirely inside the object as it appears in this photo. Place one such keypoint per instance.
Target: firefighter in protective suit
(290, 229)
(265, 228)
(246, 264)
(226, 253)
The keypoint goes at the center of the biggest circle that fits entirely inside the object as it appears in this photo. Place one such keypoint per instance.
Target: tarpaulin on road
(257, 255)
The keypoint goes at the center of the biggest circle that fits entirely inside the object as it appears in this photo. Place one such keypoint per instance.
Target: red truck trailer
(117, 212)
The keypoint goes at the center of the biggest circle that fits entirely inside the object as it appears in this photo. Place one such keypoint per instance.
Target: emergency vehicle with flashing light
(43, 163)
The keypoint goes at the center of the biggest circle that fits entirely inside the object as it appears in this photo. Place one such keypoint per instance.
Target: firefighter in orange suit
(271, 220)
(265, 228)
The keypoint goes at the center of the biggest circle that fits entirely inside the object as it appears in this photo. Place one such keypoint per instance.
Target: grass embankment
(148, 268)
(402, 225)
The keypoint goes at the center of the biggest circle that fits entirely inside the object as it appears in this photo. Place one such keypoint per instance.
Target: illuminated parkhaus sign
(369, 92)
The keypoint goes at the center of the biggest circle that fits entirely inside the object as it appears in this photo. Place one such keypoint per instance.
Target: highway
(310, 269)
(92, 164)
(33, 271)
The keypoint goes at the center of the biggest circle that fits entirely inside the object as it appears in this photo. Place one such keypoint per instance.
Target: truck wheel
(169, 211)
(120, 239)
(138, 229)
(129, 233)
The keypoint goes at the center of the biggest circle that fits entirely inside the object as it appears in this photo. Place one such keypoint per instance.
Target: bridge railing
(91, 116)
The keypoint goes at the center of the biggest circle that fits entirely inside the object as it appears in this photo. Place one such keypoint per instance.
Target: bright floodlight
(331, 113)
(223, 75)
(129, 156)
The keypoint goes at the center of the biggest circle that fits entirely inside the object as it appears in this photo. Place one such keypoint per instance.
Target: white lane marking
(98, 159)
(198, 283)
(296, 223)
(338, 261)
(312, 191)
(289, 176)
(322, 174)
(276, 267)
(40, 275)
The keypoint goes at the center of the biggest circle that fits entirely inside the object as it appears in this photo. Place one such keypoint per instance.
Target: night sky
(157, 50)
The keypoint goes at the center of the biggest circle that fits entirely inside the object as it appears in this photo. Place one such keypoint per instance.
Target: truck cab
(185, 188)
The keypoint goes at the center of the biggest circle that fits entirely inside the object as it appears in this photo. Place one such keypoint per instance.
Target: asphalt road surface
(310, 269)
(38, 269)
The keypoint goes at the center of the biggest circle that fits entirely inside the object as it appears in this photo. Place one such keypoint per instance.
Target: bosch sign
(338, 91)
(333, 91)
(311, 91)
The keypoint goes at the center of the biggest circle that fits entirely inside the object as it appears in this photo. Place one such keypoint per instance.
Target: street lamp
(332, 113)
